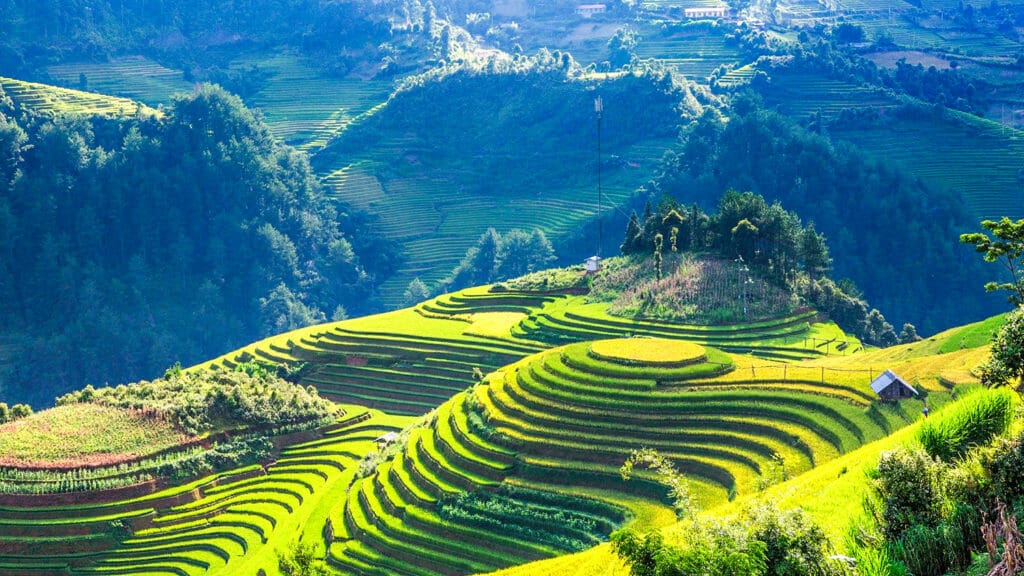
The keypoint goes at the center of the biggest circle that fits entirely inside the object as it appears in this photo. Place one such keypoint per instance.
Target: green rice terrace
(446, 205)
(54, 100)
(516, 466)
(135, 77)
(328, 104)
(975, 157)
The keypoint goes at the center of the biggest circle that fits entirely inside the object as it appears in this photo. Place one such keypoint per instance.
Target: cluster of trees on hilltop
(128, 245)
(773, 242)
(889, 233)
(745, 226)
(36, 33)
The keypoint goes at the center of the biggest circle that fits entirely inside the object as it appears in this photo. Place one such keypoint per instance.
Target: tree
(1006, 364)
(908, 334)
(744, 237)
(1007, 248)
(633, 232)
(416, 292)
(878, 331)
(622, 47)
(659, 241)
(282, 311)
(541, 252)
(513, 259)
(814, 252)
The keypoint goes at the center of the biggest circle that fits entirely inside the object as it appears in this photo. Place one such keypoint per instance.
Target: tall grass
(973, 421)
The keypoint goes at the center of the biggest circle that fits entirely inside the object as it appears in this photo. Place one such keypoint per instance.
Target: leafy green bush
(1006, 468)
(710, 549)
(199, 402)
(973, 421)
(764, 542)
(906, 484)
(12, 413)
(794, 546)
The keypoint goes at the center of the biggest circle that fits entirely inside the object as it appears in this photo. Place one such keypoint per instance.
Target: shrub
(906, 487)
(1006, 468)
(710, 548)
(794, 546)
(973, 421)
(301, 560)
(765, 541)
(198, 402)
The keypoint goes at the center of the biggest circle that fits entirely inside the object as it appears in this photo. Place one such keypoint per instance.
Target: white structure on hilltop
(706, 12)
(588, 10)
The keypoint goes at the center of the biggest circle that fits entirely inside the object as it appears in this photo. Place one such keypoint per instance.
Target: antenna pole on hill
(599, 108)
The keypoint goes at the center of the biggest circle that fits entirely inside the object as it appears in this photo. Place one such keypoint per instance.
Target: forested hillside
(130, 244)
(888, 232)
(188, 33)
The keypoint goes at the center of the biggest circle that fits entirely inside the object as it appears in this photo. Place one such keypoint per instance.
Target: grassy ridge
(54, 438)
(54, 100)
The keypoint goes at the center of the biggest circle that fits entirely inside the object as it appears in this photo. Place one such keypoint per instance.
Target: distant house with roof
(385, 440)
(706, 12)
(889, 386)
(588, 10)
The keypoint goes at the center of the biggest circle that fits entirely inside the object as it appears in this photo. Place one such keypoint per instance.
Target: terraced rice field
(980, 159)
(326, 106)
(800, 95)
(563, 421)
(738, 76)
(227, 523)
(434, 211)
(693, 54)
(788, 338)
(53, 100)
(382, 362)
(135, 77)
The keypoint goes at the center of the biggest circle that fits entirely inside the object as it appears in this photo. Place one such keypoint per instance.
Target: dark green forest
(894, 237)
(128, 245)
(184, 32)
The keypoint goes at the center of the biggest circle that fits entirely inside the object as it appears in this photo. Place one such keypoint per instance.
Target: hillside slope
(525, 459)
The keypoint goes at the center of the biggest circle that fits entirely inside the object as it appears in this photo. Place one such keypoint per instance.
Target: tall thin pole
(599, 108)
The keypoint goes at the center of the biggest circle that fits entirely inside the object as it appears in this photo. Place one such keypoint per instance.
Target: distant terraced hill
(55, 100)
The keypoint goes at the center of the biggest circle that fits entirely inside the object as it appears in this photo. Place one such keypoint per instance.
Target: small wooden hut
(889, 386)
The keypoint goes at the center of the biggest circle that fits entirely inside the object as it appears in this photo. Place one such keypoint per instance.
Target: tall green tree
(633, 231)
(1006, 364)
(814, 252)
(1005, 246)
(416, 292)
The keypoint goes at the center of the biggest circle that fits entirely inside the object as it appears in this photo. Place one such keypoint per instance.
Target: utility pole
(599, 108)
